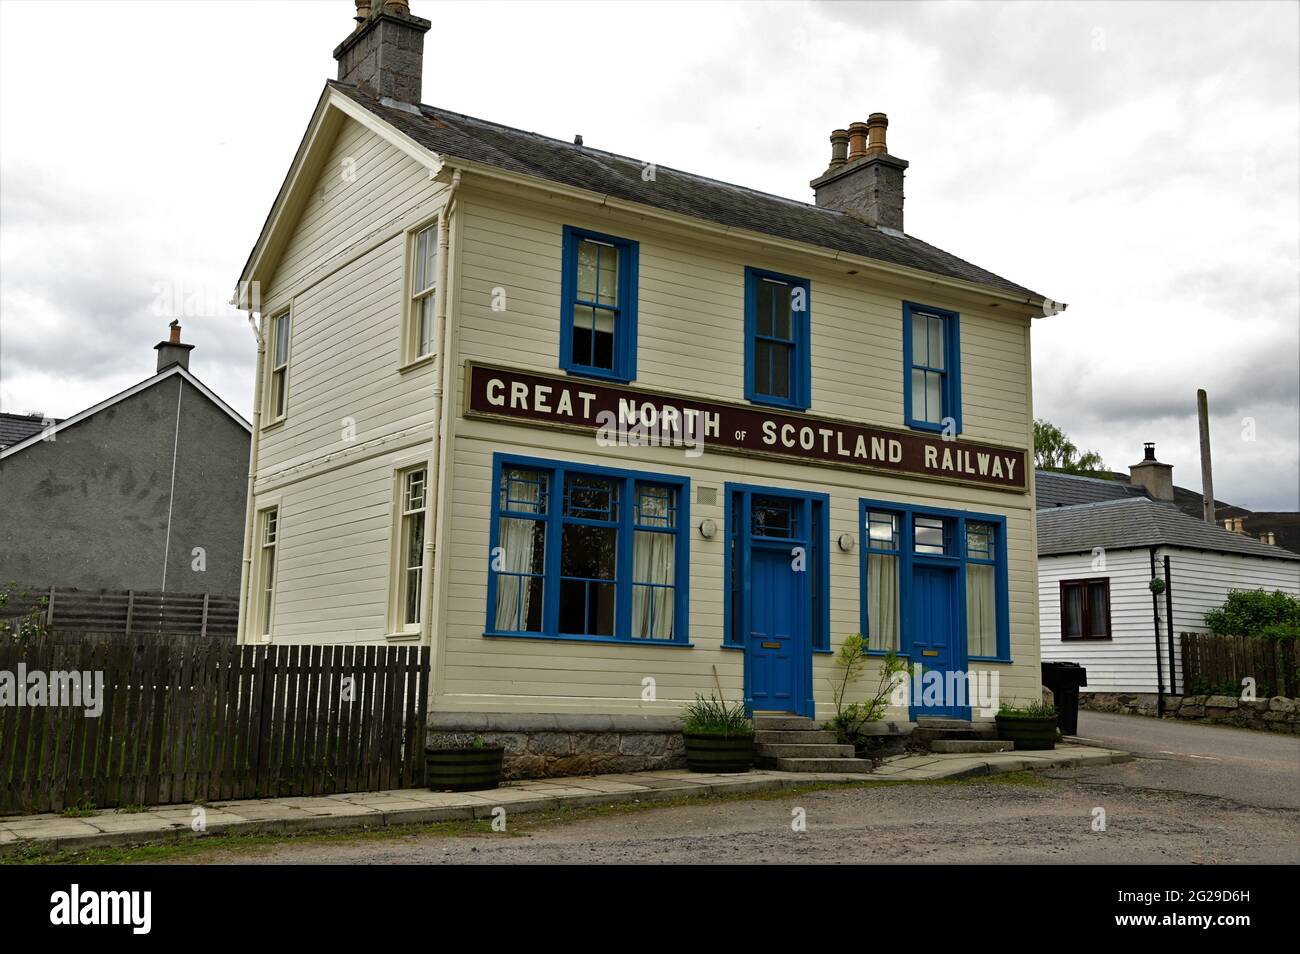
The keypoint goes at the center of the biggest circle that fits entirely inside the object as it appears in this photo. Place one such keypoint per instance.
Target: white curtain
(882, 601)
(518, 540)
(653, 556)
(981, 611)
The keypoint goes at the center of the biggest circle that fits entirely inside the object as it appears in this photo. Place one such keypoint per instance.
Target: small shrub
(1033, 710)
(714, 716)
(850, 663)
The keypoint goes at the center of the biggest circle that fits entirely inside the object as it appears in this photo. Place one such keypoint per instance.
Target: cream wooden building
(600, 432)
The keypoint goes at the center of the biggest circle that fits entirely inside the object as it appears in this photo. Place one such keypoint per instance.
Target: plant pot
(1028, 733)
(719, 753)
(463, 770)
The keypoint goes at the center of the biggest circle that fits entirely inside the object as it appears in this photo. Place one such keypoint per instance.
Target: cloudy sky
(1138, 161)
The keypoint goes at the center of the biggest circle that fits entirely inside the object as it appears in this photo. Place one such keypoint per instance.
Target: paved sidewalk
(418, 806)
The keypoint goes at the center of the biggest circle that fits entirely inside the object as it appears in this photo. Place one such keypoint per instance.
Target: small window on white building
(269, 537)
(424, 287)
(279, 378)
(414, 487)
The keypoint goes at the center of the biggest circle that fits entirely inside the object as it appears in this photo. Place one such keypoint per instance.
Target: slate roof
(1136, 523)
(15, 428)
(477, 140)
(1052, 489)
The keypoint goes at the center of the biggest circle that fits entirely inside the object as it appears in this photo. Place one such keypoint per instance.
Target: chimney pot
(857, 141)
(1150, 450)
(877, 123)
(867, 182)
(839, 147)
(173, 351)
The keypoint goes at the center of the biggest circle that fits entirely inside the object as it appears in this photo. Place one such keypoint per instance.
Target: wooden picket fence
(212, 720)
(1224, 661)
(130, 612)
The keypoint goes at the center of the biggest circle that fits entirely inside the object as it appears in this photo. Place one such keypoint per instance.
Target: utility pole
(1207, 475)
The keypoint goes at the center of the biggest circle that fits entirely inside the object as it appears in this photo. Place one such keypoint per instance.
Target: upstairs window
(279, 380)
(778, 367)
(1085, 609)
(931, 359)
(424, 288)
(598, 310)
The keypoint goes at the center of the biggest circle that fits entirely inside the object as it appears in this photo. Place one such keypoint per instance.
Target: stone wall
(1278, 714)
(541, 746)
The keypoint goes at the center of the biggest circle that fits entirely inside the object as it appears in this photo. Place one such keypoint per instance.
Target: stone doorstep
(417, 806)
(793, 737)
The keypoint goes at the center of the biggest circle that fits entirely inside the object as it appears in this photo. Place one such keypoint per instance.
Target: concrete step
(783, 723)
(794, 737)
(942, 722)
(856, 766)
(814, 751)
(924, 733)
(951, 746)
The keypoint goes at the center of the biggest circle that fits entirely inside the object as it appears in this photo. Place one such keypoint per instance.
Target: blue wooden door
(935, 633)
(775, 650)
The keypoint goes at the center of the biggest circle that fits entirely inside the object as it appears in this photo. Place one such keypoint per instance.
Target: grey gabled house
(143, 491)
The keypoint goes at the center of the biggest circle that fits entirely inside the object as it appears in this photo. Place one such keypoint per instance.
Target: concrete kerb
(369, 811)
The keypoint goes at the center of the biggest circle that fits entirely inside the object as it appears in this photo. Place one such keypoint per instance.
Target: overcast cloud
(1138, 161)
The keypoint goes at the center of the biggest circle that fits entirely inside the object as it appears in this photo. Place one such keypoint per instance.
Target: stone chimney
(172, 351)
(1157, 478)
(384, 56)
(863, 179)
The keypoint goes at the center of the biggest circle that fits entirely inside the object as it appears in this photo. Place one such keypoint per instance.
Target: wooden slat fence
(212, 720)
(130, 612)
(1218, 663)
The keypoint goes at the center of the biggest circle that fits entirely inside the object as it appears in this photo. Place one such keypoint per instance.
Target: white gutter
(246, 568)
(437, 453)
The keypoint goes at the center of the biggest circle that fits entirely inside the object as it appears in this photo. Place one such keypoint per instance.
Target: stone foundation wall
(1278, 714)
(541, 746)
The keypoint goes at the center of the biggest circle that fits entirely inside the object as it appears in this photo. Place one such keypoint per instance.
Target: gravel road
(976, 822)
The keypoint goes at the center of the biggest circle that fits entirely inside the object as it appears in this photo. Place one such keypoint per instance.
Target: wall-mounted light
(846, 542)
(708, 528)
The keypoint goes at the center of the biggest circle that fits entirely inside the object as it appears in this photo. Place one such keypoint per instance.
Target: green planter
(719, 753)
(464, 770)
(1027, 732)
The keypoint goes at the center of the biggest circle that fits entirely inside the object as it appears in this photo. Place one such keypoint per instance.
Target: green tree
(1054, 451)
(1256, 613)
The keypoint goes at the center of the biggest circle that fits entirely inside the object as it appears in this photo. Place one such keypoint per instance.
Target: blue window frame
(778, 352)
(587, 553)
(598, 291)
(931, 368)
(895, 535)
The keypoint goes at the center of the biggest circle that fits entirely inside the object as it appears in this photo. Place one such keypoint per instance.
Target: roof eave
(1034, 305)
(298, 183)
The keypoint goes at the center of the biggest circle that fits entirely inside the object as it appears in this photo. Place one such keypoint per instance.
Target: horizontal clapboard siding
(1200, 582)
(494, 674)
(691, 319)
(343, 275)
